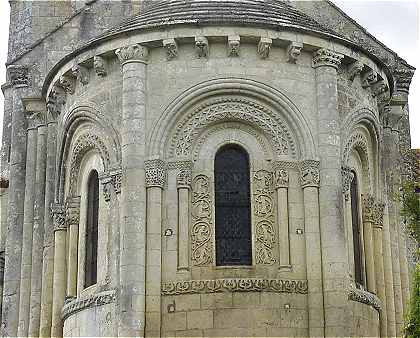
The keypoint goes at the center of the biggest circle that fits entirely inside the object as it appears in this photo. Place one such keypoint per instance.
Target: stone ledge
(365, 297)
(234, 285)
(79, 304)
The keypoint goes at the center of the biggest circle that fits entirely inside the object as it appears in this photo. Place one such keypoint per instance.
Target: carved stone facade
(110, 144)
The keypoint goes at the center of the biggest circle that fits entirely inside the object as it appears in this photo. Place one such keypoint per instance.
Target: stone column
(334, 255)
(347, 177)
(34, 121)
(405, 278)
(59, 277)
(368, 205)
(309, 178)
(281, 183)
(183, 181)
(72, 220)
(155, 182)
(11, 288)
(379, 264)
(133, 193)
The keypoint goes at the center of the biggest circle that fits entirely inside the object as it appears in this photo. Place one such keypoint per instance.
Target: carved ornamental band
(155, 173)
(309, 173)
(326, 57)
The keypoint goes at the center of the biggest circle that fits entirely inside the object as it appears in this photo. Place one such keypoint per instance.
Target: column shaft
(183, 228)
(28, 220)
(369, 256)
(379, 277)
(283, 223)
(72, 260)
(405, 282)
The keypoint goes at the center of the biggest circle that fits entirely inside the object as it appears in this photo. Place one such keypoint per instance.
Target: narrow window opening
(233, 207)
(357, 243)
(92, 230)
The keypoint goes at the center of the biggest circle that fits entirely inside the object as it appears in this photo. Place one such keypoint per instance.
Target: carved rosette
(81, 73)
(201, 230)
(293, 51)
(18, 75)
(309, 173)
(264, 47)
(355, 69)
(173, 288)
(72, 210)
(202, 46)
(263, 186)
(368, 206)
(347, 177)
(326, 57)
(171, 48)
(155, 173)
(100, 66)
(183, 178)
(132, 53)
(58, 214)
(281, 178)
(234, 43)
(111, 181)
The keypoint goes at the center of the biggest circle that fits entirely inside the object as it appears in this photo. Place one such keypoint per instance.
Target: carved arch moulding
(235, 100)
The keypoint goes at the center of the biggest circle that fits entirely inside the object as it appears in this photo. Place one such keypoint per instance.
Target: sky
(395, 23)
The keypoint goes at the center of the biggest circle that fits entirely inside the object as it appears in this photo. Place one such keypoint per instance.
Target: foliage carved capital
(132, 53)
(155, 173)
(326, 57)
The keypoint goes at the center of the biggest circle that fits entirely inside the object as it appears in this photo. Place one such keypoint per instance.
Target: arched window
(357, 240)
(233, 207)
(92, 230)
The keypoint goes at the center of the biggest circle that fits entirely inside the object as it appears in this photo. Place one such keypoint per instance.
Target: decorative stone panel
(234, 285)
(202, 223)
(155, 173)
(264, 217)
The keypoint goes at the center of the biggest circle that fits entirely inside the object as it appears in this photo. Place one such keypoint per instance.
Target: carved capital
(347, 177)
(369, 78)
(58, 214)
(403, 77)
(36, 119)
(202, 46)
(264, 47)
(132, 53)
(100, 66)
(234, 44)
(368, 207)
(171, 48)
(355, 69)
(293, 51)
(378, 214)
(326, 57)
(18, 75)
(81, 73)
(184, 177)
(155, 173)
(111, 181)
(35, 111)
(55, 101)
(309, 173)
(72, 210)
(281, 179)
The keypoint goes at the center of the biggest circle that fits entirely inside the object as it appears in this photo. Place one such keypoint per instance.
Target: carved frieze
(155, 173)
(264, 47)
(234, 285)
(369, 78)
(355, 69)
(58, 214)
(326, 57)
(18, 75)
(81, 73)
(131, 53)
(75, 305)
(202, 46)
(264, 216)
(293, 51)
(100, 66)
(202, 224)
(111, 181)
(347, 177)
(365, 297)
(309, 173)
(234, 43)
(171, 48)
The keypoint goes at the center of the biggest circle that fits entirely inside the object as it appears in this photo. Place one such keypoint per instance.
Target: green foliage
(412, 321)
(410, 210)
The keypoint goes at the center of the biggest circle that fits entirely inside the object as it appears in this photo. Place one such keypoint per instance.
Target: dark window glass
(357, 245)
(92, 230)
(233, 209)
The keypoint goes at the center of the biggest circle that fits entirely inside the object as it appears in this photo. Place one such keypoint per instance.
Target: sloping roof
(262, 13)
